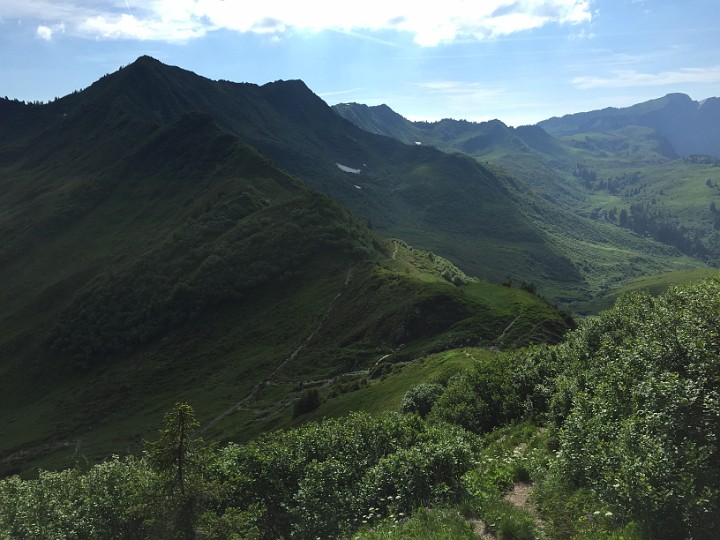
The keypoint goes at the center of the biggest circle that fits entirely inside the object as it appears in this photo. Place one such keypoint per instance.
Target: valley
(612, 187)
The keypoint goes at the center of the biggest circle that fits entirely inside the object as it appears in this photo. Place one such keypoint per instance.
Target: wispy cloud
(463, 99)
(429, 23)
(336, 93)
(631, 78)
(459, 88)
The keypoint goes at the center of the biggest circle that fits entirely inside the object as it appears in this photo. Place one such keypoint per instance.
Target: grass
(430, 524)
(654, 284)
(386, 391)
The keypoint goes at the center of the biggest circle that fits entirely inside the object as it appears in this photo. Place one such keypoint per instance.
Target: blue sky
(517, 60)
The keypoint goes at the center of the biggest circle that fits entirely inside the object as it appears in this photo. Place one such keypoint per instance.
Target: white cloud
(335, 93)
(44, 32)
(430, 23)
(47, 32)
(631, 78)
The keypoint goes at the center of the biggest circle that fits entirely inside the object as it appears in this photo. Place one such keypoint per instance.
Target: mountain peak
(145, 64)
(678, 97)
(689, 126)
(146, 59)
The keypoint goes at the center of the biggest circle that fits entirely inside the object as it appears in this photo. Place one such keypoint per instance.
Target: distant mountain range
(649, 170)
(691, 127)
(474, 138)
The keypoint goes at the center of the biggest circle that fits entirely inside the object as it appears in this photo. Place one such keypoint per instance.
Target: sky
(520, 61)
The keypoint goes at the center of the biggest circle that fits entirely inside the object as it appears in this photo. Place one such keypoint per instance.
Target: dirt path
(33, 452)
(500, 338)
(481, 530)
(519, 495)
(267, 380)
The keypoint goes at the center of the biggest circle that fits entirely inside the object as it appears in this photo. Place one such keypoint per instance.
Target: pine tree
(176, 451)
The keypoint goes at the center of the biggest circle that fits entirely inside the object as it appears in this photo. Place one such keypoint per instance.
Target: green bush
(102, 504)
(308, 401)
(491, 394)
(643, 429)
(421, 398)
(325, 478)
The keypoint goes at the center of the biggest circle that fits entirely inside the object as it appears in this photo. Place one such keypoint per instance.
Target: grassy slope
(572, 216)
(147, 263)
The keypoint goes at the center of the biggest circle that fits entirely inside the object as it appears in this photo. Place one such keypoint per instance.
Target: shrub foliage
(634, 396)
(322, 480)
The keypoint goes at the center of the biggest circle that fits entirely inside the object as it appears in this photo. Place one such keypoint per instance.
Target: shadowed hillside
(150, 256)
(449, 204)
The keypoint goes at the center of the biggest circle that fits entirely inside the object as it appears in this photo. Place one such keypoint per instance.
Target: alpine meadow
(233, 311)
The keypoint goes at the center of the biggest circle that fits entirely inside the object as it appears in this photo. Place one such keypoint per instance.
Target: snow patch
(347, 169)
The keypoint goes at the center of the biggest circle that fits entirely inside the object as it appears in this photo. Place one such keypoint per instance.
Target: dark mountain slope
(146, 262)
(398, 188)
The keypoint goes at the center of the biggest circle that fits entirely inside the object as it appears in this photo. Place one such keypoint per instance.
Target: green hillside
(450, 205)
(151, 260)
(618, 202)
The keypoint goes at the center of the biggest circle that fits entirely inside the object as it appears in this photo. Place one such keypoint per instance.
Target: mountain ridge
(288, 123)
(155, 256)
(690, 126)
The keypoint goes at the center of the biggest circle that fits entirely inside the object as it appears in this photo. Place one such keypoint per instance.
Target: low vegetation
(615, 429)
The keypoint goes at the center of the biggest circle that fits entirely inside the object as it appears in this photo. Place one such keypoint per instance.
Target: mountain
(552, 186)
(149, 255)
(451, 205)
(691, 127)
(478, 139)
